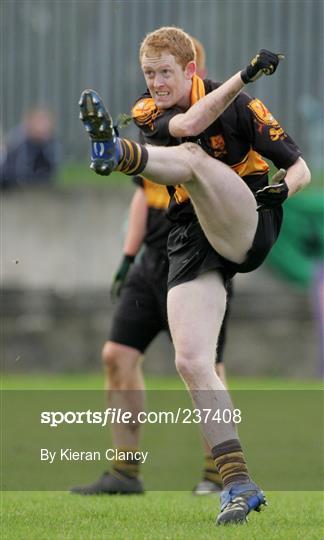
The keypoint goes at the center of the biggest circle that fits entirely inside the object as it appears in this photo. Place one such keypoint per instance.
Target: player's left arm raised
(203, 113)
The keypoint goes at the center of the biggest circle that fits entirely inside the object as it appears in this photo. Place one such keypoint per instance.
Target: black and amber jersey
(243, 135)
(158, 225)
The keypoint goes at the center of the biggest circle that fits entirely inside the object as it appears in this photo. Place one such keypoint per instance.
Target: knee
(109, 355)
(114, 363)
(184, 367)
(110, 359)
(194, 154)
(191, 367)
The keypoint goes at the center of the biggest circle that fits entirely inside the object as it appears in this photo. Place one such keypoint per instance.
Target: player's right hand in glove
(264, 63)
(274, 194)
(120, 276)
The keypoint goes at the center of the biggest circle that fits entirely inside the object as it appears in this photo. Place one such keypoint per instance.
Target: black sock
(134, 157)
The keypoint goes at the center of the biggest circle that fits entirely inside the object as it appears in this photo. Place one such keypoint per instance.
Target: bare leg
(196, 311)
(125, 387)
(220, 372)
(215, 190)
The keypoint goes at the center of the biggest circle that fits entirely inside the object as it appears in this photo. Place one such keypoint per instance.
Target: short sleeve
(263, 131)
(154, 122)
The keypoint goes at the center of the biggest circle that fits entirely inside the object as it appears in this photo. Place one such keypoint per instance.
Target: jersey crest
(217, 143)
(261, 112)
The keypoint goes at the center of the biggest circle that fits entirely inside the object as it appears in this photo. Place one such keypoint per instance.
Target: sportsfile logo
(114, 415)
(110, 415)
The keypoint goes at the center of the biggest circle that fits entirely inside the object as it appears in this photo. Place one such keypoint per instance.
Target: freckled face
(169, 84)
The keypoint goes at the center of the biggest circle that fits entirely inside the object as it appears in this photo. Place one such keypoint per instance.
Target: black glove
(264, 63)
(120, 276)
(274, 194)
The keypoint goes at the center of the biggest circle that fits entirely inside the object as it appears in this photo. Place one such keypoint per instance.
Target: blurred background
(62, 226)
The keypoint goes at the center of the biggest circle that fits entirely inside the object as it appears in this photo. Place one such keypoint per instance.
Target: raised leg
(225, 206)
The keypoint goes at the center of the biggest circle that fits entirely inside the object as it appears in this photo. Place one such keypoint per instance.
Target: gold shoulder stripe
(197, 92)
(145, 111)
(197, 89)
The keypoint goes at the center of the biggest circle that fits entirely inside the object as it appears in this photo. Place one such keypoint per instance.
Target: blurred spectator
(2, 147)
(32, 152)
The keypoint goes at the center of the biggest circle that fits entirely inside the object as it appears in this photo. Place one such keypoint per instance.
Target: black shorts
(141, 312)
(190, 253)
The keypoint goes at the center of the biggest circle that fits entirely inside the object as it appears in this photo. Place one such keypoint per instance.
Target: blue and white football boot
(105, 149)
(237, 502)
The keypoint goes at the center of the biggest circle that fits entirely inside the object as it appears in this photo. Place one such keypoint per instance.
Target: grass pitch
(94, 381)
(154, 515)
